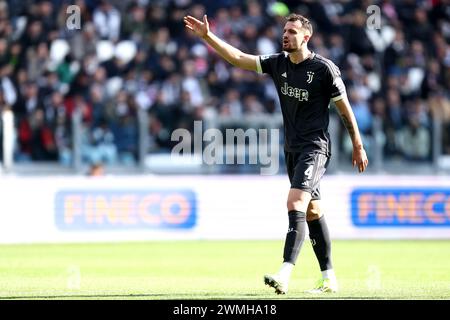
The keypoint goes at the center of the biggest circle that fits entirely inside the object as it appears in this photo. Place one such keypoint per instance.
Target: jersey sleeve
(266, 63)
(336, 85)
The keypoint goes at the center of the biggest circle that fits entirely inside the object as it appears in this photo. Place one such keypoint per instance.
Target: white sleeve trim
(340, 86)
(339, 97)
(258, 65)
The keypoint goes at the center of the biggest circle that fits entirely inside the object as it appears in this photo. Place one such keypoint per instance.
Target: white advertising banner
(151, 207)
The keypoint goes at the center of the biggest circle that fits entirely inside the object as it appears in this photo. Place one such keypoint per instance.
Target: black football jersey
(305, 90)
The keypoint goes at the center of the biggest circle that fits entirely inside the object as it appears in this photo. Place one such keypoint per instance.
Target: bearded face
(294, 36)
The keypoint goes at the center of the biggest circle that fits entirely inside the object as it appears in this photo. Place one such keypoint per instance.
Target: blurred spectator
(414, 140)
(37, 61)
(126, 136)
(361, 110)
(134, 26)
(394, 120)
(232, 105)
(221, 24)
(440, 110)
(237, 20)
(433, 80)
(107, 21)
(7, 88)
(191, 84)
(252, 105)
(42, 143)
(3, 107)
(317, 45)
(83, 44)
(364, 118)
(254, 16)
(395, 52)
(100, 147)
(336, 49)
(358, 41)
(420, 29)
(176, 78)
(268, 42)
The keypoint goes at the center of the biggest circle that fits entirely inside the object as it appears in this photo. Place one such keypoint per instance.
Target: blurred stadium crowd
(136, 55)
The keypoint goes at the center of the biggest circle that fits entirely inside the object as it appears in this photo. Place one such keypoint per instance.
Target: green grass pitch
(220, 270)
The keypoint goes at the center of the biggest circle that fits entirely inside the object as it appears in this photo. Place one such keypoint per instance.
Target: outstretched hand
(200, 28)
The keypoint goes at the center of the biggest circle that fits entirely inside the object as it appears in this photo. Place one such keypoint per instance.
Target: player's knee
(313, 212)
(298, 200)
(297, 205)
(313, 215)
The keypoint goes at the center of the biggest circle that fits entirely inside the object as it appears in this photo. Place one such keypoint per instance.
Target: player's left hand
(359, 159)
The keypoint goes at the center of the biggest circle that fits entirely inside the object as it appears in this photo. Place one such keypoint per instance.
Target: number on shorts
(308, 172)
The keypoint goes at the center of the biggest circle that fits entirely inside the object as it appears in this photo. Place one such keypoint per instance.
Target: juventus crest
(310, 75)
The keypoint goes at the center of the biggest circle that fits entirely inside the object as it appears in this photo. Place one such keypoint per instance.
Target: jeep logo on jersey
(300, 94)
(310, 75)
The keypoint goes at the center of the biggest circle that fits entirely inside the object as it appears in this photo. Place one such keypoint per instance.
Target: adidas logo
(284, 74)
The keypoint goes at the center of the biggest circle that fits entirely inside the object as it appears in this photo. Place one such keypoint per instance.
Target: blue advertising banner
(400, 207)
(125, 209)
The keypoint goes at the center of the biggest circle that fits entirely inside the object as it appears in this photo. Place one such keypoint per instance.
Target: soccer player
(306, 82)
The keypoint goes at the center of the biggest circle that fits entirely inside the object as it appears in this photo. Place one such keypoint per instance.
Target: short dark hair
(306, 24)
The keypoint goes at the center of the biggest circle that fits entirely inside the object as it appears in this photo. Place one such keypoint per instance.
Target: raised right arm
(231, 54)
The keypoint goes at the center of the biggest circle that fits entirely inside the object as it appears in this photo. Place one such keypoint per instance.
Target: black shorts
(305, 169)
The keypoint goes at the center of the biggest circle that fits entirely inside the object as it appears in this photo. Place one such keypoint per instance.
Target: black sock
(320, 240)
(295, 236)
